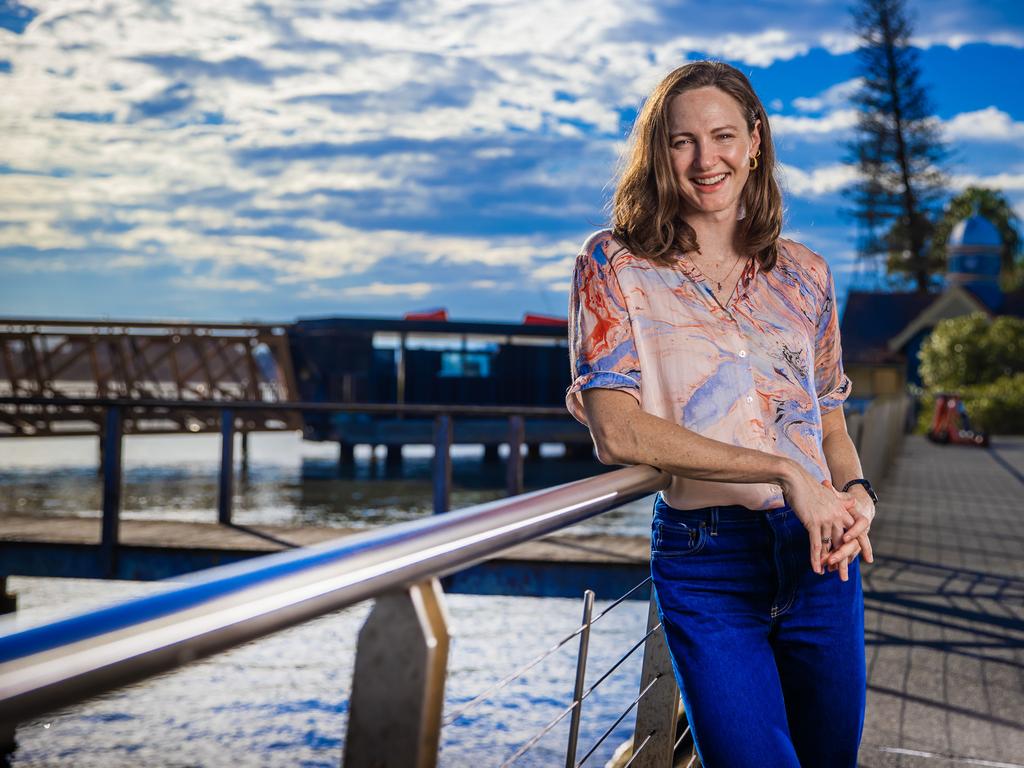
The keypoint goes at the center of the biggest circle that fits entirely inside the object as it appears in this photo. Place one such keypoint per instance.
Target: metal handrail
(411, 409)
(67, 660)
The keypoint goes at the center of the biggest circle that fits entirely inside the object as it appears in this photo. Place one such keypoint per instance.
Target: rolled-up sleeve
(832, 383)
(602, 351)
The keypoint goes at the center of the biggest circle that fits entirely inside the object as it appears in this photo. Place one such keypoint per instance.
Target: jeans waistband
(726, 513)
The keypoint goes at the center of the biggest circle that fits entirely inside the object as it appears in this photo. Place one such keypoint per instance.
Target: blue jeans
(769, 656)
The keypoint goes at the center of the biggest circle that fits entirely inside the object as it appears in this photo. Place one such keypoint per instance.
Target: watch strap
(867, 487)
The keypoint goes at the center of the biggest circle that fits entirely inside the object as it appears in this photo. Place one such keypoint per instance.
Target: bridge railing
(396, 700)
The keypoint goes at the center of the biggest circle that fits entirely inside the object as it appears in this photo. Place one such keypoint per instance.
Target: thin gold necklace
(719, 282)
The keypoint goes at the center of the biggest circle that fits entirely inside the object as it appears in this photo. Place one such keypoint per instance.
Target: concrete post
(398, 683)
(656, 712)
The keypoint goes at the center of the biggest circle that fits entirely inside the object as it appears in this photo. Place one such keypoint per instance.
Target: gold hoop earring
(753, 161)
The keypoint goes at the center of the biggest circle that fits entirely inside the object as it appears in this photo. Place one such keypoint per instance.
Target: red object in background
(431, 314)
(534, 319)
(950, 423)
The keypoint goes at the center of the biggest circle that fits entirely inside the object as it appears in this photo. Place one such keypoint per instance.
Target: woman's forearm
(841, 457)
(655, 441)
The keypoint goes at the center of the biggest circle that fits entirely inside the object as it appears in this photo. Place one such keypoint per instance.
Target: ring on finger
(827, 541)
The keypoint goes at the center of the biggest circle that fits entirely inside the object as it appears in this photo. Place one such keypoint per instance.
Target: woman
(704, 344)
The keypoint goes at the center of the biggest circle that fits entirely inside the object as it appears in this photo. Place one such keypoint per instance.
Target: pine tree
(897, 146)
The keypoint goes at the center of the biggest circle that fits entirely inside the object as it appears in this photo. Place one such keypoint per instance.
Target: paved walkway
(945, 610)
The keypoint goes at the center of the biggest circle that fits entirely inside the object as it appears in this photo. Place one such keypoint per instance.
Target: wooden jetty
(561, 565)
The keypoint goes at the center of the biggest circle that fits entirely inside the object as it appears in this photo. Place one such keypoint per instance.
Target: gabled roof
(876, 326)
(954, 302)
(871, 319)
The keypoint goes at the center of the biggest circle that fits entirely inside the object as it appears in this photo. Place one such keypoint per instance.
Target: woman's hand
(855, 539)
(824, 512)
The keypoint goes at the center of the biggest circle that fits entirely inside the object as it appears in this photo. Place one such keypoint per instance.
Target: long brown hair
(647, 207)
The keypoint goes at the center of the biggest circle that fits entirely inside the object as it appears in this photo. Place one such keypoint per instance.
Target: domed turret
(974, 259)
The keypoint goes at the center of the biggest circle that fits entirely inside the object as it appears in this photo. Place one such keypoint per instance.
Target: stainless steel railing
(70, 659)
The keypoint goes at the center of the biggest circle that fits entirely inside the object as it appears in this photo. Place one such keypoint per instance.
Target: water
(290, 482)
(283, 700)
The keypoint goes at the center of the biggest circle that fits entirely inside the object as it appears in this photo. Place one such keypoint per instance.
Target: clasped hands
(837, 523)
(848, 543)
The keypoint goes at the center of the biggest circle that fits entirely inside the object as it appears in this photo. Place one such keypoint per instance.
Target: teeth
(712, 180)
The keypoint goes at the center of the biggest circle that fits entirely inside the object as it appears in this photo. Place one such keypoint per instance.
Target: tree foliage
(897, 146)
(993, 206)
(982, 361)
(972, 350)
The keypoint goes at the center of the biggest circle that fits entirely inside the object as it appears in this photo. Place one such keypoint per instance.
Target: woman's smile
(708, 184)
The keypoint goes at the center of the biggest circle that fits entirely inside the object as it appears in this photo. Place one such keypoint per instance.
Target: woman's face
(710, 150)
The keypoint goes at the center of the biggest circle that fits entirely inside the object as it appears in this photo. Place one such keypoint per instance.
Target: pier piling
(227, 466)
(442, 463)
(112, 445)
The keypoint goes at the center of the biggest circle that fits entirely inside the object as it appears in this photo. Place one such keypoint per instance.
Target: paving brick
(944, 605)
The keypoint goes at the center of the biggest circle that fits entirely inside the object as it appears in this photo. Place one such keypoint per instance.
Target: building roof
(973, 232)
(871, 319)
(874, 322)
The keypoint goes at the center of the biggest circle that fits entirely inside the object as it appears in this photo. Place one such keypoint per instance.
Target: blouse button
(750, 399)
(743, 353)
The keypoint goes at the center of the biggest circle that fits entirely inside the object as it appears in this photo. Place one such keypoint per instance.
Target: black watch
(867, 487)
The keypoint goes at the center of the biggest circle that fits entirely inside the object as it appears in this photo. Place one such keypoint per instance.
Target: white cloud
(955, 39)
(817, 182)
(833, 97)
(208, 283)
(989, 124)
(827, 126)
(313, 147)
(1007, 182)
(414, 290)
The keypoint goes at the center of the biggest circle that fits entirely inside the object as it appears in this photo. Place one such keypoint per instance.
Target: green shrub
(982, 361)
(997, 407)
(969, 350)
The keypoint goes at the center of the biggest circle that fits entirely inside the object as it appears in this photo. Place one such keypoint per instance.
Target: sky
(181, 159)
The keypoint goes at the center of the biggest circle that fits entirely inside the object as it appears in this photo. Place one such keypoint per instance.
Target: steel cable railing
(517, 673)
(638, 750)
(618, 720)
(579, 694)
(621, 659)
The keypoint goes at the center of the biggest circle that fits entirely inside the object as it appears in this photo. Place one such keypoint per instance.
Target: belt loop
(714, 521)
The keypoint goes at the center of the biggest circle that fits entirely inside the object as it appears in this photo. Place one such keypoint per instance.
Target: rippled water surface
(289, 482)
(283, 700)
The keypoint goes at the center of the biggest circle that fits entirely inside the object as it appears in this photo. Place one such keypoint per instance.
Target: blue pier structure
(430, 360)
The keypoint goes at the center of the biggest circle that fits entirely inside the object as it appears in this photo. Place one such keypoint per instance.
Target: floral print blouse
(758, 373)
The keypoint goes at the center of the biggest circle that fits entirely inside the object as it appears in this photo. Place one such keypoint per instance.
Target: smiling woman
(706, 345)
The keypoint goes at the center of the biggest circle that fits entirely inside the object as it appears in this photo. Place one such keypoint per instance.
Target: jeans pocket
(674, 538)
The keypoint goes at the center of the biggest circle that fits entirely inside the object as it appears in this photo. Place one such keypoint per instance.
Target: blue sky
(181, 159)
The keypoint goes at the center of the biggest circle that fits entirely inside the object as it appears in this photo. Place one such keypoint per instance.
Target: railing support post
(227, 466)
(581, 677)
(656, 712)
(442, 463)
(514, 472)
(112, 444)
(398, 683)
